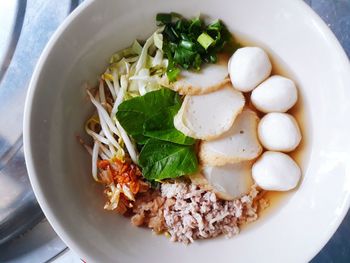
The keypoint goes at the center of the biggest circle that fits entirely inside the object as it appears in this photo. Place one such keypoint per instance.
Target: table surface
(26, 26)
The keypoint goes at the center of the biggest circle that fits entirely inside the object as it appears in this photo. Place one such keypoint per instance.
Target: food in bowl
(178, 138)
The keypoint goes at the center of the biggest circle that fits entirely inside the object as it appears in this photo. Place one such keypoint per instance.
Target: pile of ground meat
(188, 212)
(148, 211)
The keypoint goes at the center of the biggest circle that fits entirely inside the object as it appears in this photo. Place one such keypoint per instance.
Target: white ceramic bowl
(294, 230)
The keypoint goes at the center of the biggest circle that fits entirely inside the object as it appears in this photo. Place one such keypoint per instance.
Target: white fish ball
(248, 67)
(279, 132)
(276, 171)
(276, 94)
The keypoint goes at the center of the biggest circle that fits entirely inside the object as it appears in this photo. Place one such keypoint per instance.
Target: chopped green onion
(213, 58)
(205, 40)
(172, 74)
(174, 32)
(195, 25)
(215, 25)
(197, 62)
(186, 44)
(168, 33)
(164, 18)
(181, 25)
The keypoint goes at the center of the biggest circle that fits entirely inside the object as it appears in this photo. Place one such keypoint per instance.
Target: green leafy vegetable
(161, 126)
(189, 43)
(165, 151)
(133, 113)
(161, 160)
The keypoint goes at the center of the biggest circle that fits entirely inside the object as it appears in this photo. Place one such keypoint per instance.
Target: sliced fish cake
(209, 115)
(228, 182)
(240, 143)
(210, 78)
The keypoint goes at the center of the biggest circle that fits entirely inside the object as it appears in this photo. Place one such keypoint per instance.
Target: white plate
(59, 168)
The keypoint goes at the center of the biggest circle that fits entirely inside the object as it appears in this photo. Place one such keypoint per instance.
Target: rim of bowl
(36, 184)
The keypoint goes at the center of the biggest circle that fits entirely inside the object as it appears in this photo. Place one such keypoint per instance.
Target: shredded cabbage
(133, 50)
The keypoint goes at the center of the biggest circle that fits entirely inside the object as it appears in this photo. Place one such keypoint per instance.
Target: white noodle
(103, 156)
(106, 152)
(111, 89)
(103, 115)
(94, 160)
(111, 148)
(96, 136)
(129, 145)
(117, 103)
(107, 132)
(116, 82)
(120, 96)
(101, 91)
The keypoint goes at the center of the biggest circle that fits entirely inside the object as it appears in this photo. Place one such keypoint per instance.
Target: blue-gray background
(22, 38)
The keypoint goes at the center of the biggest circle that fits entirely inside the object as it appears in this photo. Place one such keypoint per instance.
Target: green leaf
(162, 160)
(140, 139)
(133, 113)
(161, 126)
